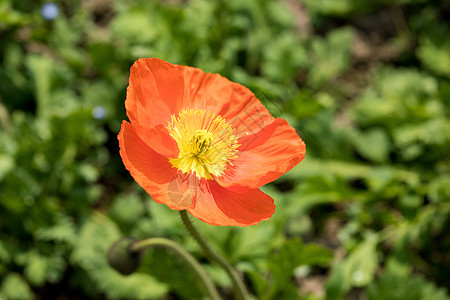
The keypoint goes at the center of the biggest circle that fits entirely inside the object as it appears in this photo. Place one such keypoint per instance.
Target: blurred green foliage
(366, 83)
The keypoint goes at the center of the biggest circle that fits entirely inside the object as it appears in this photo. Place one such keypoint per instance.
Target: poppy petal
(159, 89)
(234, 102)
(153, 172)
(219, 206)
(245, 112)
(264, 157)
(155, 92)
(159, 139)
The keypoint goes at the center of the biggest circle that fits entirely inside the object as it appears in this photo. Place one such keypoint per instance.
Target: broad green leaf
(15, 287)
(251, 243)
(313, 166)
(338, 283)
(360, 266)
(342, 8)
(415, 287)
(434, 50)
(330, 56)
(36, 269)
(10, 17)
(358, 269)
(166, 267)
(62, 231)
(6, 165)
(295, 253)
(305, 104)
(398, 97)
(96, 236)
(4, 253)
(41, 68)
(283, 60)
(128, 25)
(439, 189)
(292, 255)
(88, 172)
(318, 189)
(373, 144)
(127, 208)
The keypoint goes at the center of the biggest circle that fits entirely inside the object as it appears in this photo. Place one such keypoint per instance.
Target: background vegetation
(366, 83)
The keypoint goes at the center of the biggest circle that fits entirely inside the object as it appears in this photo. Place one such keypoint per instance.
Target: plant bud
(121, 258)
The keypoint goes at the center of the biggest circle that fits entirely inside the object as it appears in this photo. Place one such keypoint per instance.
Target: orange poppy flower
(199, 142)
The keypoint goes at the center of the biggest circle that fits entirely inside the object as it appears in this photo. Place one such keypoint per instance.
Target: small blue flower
(50, 11)
(99, 112)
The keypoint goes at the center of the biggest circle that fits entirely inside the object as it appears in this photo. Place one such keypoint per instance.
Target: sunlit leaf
(373, 144)
(96, 236)
(15, 287)
(434, 50)
(330, 56)
(292, 255)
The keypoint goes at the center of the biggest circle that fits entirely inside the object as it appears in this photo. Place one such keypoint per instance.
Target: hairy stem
(239, 287)
(185, 256)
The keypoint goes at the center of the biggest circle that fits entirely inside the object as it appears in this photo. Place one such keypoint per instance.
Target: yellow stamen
(206, 142)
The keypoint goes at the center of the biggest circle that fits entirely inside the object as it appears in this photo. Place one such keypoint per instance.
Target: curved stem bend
(239, 287)
(182, 253)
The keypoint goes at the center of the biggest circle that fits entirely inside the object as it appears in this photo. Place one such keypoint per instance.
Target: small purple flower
(50, 11)
(99, 112)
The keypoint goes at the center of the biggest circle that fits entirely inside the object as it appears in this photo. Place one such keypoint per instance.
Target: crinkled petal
(159, 89)
(159, 139)
(156, 91)
(263, 157)
(234, 102)
(153, 172)
(219, 206)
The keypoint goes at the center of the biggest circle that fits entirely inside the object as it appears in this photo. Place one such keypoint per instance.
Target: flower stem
(182, 253)
(239, 287)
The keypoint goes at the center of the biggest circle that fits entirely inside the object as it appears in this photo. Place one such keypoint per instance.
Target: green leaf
(434, 50)
(128, 25)
(4, 253)
(96, 236)
(392, 287)
(14, 287)
(358, 269)
(284, 58)
(242, 244)
(41, 68)
(439, 189)
(259, 283)
(337, 284)
(348, 8)
(88, 172)
(62, 231)
(166, 267)
(6, 165)
(36, 269)
(398, 97)
(330, 56)
(292, 255)
(11, 17)
(373, 144)
(296, 254)
(331, 7)
(361, 264)
(318, 189)
(127, 208)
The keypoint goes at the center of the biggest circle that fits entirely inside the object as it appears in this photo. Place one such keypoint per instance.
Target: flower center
(206, 142)
(201, 141)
